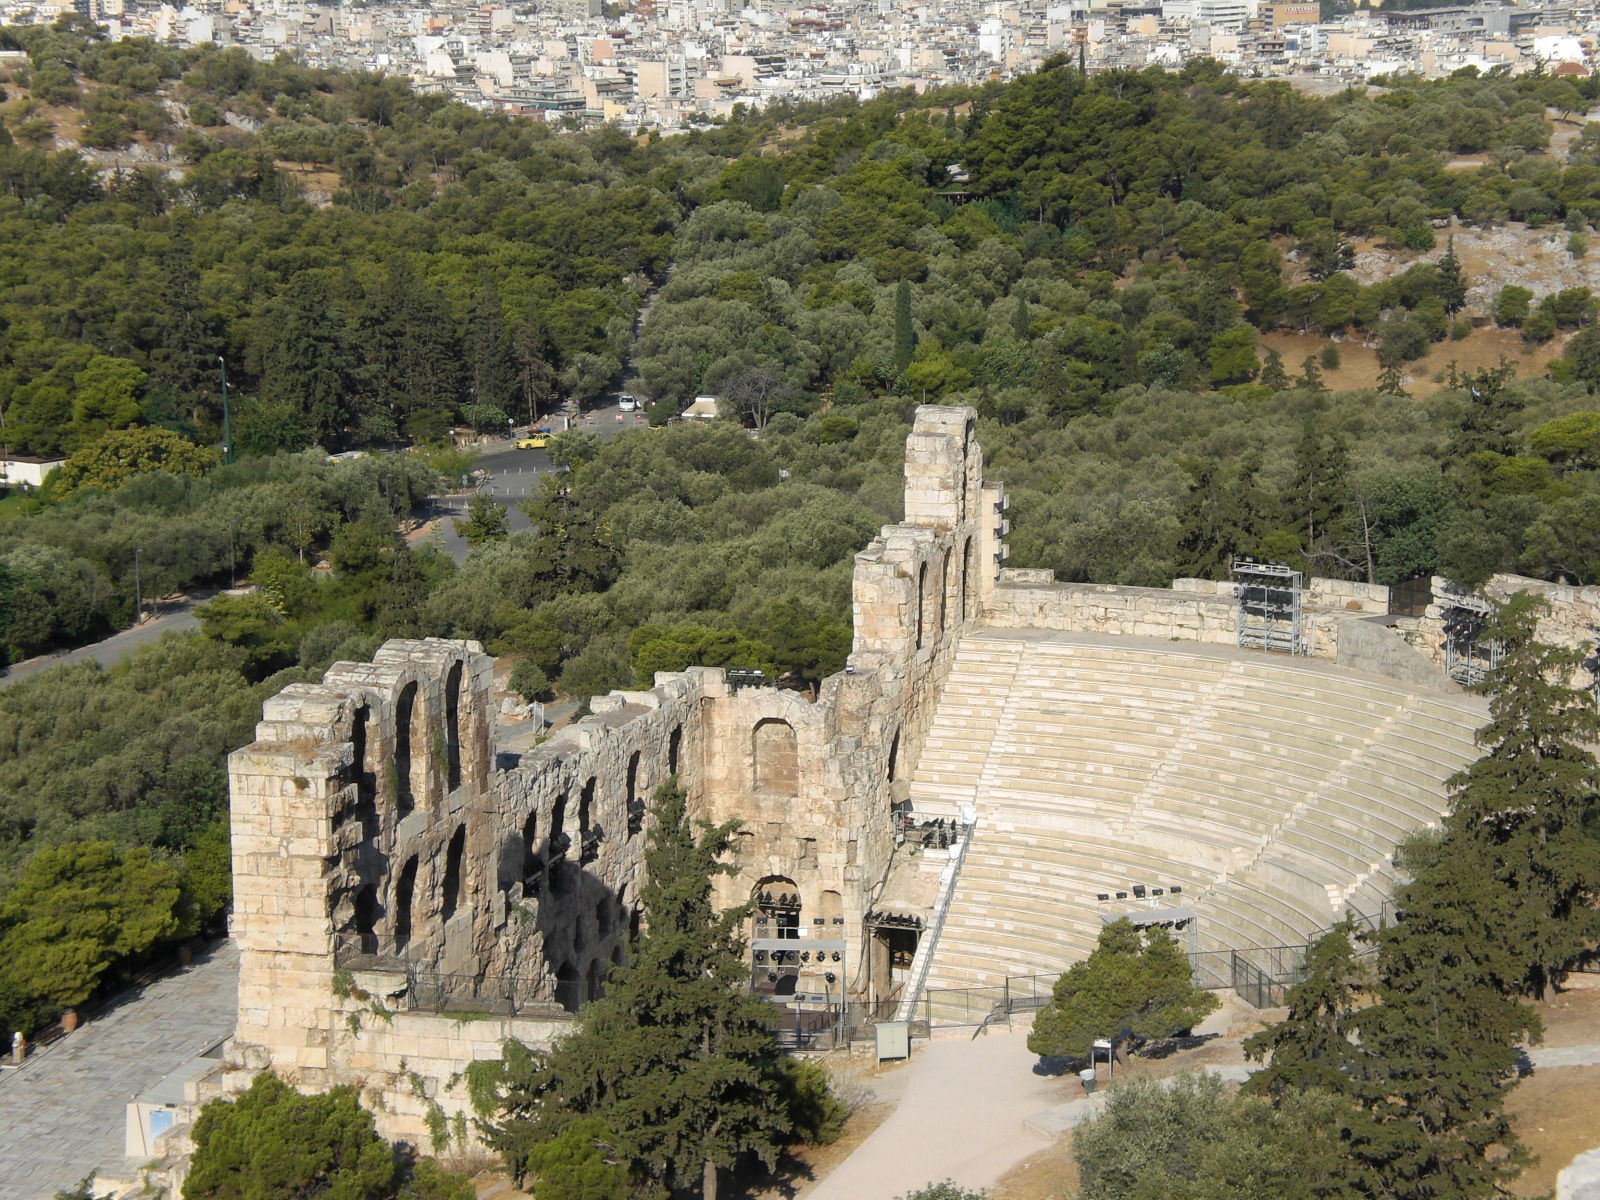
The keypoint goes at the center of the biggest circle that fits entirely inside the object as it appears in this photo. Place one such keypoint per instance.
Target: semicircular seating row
(1272, 790)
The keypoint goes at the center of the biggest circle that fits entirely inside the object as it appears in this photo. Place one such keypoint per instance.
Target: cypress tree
(493, 365)
(1519, 812)
(677, 1058)
(1311, 1047)
(309, 366)
(1440, 1048)
(1452, 285)
(905, 335)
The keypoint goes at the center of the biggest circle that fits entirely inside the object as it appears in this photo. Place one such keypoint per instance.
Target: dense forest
(1091, 263)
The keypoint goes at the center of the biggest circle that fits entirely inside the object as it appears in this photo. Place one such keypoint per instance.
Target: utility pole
(233, 561)
(227, 418)
(138, 590)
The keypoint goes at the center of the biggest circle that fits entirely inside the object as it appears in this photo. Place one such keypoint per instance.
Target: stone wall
(387, 859)
(1573, 618)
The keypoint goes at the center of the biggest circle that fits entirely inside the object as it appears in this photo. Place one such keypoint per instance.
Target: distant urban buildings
(666, 64)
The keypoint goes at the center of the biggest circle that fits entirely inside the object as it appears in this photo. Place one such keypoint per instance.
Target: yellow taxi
(536, 442)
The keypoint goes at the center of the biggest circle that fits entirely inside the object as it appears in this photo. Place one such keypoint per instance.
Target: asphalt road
(172, 617)
(515, 474)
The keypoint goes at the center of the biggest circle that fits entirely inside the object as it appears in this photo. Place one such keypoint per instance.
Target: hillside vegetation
(1090, 263)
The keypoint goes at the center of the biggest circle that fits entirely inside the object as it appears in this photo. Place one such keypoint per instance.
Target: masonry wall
(387, 859)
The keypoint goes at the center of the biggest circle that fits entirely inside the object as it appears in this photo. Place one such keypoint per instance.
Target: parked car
(628, 403)
(537, 442)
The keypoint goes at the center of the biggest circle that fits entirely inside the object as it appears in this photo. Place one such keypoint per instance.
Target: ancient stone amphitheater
(1005, 763)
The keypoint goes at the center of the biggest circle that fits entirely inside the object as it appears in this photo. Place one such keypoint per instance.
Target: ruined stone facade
(391, 864)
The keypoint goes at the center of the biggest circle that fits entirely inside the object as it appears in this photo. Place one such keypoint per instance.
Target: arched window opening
(404, 795)
(589, 833)
(404, 890)
(673, 743)
(367, 914)
(635, 800)
(777, 908)
(830, 908)
(602, 916)
(559, 841)
(366, 807)
(532, 860)
(777, 758)
(966, 575)
(594, 988)
(452, 871)
(944, 591)
(922, 599)
(894, 756)
(569, 989)
(452, 727)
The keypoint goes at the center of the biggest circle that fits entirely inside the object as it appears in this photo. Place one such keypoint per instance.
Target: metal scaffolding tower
(1269, 606)
(1468, 656)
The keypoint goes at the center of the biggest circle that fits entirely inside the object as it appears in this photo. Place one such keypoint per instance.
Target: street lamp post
(138, 589)
(227, 418)
(233, 560)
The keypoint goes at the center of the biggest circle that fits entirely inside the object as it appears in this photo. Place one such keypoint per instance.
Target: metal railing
(928, 943)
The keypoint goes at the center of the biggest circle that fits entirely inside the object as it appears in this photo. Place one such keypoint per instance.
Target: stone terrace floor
(62, 1115)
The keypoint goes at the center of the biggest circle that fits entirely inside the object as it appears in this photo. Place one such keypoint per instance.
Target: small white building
(22, 471)
(704, 408)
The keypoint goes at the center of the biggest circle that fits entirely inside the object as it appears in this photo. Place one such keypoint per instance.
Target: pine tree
(1440, 1048)
(309, 367)
(1311, 375)
(411, 349)
(494, 367)
(1311, 1047)
(1391, 379)
(1272, 373)
(1451, 286)
(1134, 983)
(1521, 808)
(905, 334)
(677, 1058)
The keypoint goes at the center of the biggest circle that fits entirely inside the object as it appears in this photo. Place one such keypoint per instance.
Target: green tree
(1187, 1139)
(1311, 1046)
(1583, 353)
(490, 360)
(677, 1058)
(117, 456)
(1272, 373)
(485, 521)
(1134, 984)
(309, 367)
(905, 334)
(1512, 304)
(77, 908)
(1524, 807)
(1440, 1048)
(582, 1162)
(1450, 285)
(1232, 356)
(273, 1143)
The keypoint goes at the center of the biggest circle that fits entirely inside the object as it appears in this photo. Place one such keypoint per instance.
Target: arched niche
(452, 727)
(569, 988)
(453, 886)
(830, 907)
(777, 901)
(366, 806)
(776, 757)
(674, 744)
(944, 592)
(404, 893)
(635, 800)
(922, 601)
(410, 749)
(966, 576)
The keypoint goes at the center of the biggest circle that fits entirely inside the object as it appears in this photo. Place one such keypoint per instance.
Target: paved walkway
(62, 1115)
(961, 1118)
(973, 1109)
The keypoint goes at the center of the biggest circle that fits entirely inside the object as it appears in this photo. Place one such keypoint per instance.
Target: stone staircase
(1271, 790)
